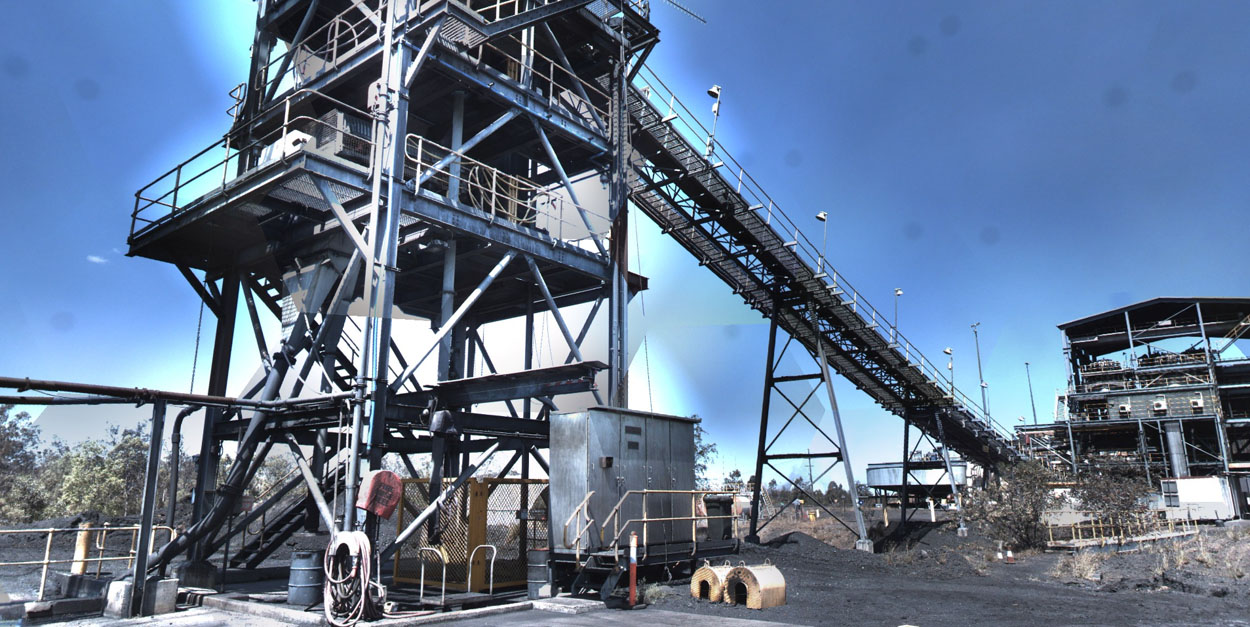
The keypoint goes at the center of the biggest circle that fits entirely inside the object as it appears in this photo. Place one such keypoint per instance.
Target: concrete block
(77, 606)
(39, 609)
(160, 596)
(197, 574)
(79, 586)
(117, 601)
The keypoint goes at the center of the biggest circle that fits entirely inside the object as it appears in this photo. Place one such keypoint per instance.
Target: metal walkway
(707, 202)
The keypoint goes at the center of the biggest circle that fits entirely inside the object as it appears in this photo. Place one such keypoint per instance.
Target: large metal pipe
(229, 491)
(149, 507)
(147, 395)
(416, 524)
(175, 460)
(1176, 448)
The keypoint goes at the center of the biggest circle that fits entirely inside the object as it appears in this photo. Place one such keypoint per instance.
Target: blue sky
(1018, 164)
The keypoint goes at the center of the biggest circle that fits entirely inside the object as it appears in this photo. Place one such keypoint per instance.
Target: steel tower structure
(400, 158)
(430, 160)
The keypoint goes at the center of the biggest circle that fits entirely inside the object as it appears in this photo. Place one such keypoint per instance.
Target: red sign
(379, 492)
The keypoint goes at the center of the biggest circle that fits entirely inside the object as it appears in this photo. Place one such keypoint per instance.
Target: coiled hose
(351, 593)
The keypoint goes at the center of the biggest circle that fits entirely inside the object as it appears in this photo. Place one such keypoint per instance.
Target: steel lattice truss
(689, 198)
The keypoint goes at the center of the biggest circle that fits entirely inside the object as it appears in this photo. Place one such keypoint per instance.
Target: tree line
(40, 480)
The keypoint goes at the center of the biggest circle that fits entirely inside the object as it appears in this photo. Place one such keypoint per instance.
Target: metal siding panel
(568, 471)
(681, 472)
(658, 505)
(633, 471)
(603, 440)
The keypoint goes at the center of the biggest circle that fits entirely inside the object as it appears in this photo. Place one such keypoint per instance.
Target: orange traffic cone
(1011, 559)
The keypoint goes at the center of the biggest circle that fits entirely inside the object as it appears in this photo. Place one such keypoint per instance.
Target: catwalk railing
(216, 166)
(681, 129)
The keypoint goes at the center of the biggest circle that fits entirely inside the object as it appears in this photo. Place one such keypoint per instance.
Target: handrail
(442, 599)
(647, 85)
(595, 115)
(100, 534)
(1102, 528)
(363, 31)
(582, 508)
(494, 552)
(225, 142)
(693, 518)
(503, 195)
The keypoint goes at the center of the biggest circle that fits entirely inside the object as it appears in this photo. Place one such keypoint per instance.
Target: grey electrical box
(610, 452)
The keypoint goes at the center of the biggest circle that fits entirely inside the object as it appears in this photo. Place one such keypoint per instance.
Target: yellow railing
(578, 512)
(88, 538)
(696, 497)
(1103, 529)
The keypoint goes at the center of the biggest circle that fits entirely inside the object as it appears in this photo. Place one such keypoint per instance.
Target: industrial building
(1159, 386)
(421, 160)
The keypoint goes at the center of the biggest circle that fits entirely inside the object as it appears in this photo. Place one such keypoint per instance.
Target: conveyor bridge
(699, 195)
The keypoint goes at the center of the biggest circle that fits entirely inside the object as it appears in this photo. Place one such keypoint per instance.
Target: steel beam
(568, 185)
(456, 316)
(314, 490)
(419, 521)
(555, 313)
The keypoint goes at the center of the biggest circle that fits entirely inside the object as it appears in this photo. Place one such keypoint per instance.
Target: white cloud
(96, 259)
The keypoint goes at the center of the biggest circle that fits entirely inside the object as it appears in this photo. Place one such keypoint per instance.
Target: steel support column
(210, 450)
(863, 543)
(761, 450)
(140, 571)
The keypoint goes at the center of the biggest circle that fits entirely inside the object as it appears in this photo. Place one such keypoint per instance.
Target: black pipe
(145, 395)
(229, 492)
(175, 460)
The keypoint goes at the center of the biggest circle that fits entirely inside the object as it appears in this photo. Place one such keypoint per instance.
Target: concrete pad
(568, 605)
(623, 618)
(483, 615)
(262, 610)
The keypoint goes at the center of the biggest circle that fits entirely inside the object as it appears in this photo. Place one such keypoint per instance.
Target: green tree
(24, 493)
(703, 453)
(106, 476)
(835, 493)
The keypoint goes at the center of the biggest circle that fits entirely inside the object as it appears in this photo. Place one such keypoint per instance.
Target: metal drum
(537, 576)
(307, 578)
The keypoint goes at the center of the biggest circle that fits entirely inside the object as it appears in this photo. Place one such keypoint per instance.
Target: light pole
(824, 236)
(714, 92)
(1029, 376)
(950, 367)
(898, 291)
(985, 406)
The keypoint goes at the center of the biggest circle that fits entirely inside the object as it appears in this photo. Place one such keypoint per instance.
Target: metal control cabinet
(610, 452)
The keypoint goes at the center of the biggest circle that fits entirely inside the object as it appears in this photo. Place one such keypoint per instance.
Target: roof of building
(1161, 317)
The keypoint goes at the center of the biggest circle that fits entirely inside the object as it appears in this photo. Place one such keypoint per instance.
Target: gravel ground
(947, 580)
(931, 577)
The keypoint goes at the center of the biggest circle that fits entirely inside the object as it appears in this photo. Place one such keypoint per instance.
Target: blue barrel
(307, 578)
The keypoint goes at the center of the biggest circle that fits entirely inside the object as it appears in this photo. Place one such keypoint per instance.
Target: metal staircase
(712, 207)
(276, 528)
